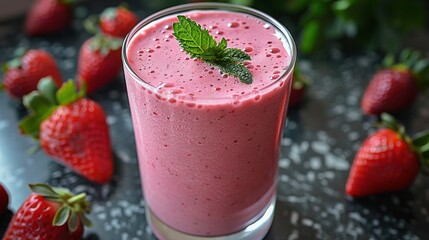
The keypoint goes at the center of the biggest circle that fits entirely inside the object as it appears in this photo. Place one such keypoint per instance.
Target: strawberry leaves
(104, 44)
(411, 60)
(421, 145)
(72, 210)
(198, 43)
(44, 101)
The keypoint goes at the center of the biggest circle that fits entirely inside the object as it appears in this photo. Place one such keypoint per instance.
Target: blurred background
(350, 25)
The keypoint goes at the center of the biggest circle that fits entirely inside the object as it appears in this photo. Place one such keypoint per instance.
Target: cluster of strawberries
(69, 127)
(389, 160)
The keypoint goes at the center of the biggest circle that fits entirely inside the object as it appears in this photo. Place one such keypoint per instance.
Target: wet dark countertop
(320, 140)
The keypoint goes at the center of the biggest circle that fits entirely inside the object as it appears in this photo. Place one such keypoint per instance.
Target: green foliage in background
(355, 24)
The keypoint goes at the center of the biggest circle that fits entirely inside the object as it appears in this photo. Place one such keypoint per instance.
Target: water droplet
(150, 50)
(140, 51)
(218, 89)
(267, 26)
(212, 27)
(233, 24)
(155, 39)
(219, 32)
(158, 46)
(167, 27)
(248, 49)
(268, 55)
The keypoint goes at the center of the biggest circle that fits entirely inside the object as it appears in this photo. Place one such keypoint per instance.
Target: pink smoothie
(208, 144)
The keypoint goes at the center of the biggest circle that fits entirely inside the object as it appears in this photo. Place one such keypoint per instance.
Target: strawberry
(71, 129)
(48, 16)
(22, 73)
(395, 87)
(4, 200)
(117, 21)
(50, 213)
(299, 88)
(99, 61)
(388, 160)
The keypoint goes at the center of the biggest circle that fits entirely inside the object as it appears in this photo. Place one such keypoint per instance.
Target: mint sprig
(198, 43)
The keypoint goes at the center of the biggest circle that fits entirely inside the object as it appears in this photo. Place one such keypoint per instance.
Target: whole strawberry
(300, 85)
(4, 199)
(388, 160)
(50, 213)
(22, 74)
(48, 16)
(99, 61)
(117, 21)
(71, 129)
(395, 87)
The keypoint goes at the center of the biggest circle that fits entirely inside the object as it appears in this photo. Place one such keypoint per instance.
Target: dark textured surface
(320, 140)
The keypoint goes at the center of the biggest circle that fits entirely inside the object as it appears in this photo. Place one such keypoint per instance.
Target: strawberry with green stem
(300, 85)
(113, 21)
(70, 128)
(24, 71)
(117, 21)
(99, 61)
(50, 213)
(388, 160)
(396, 86)
(48, 17)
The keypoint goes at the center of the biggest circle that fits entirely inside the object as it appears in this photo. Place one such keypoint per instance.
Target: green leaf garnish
(198, 43)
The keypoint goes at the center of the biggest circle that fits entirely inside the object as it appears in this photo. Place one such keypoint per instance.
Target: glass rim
(208, 6)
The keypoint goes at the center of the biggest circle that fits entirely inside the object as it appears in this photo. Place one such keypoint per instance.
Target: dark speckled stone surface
(320, 140)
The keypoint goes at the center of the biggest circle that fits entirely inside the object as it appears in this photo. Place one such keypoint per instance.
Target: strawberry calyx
(92, 23)
(299, 80)
(16, 61)
(72, 209)
(410, 61)
(104, 44)
(44, 101)
(109, 13)
(421, 146)
(419, 143)
(388, 121)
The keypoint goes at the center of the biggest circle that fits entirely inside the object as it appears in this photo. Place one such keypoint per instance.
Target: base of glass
(256, 231)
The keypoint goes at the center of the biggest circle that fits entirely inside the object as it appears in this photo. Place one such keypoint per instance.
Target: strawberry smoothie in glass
(208, 144)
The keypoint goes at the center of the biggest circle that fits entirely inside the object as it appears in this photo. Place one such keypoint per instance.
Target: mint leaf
(192, 37)
(198, 43)
(223, 44)
(236, 70)
(235, 55)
